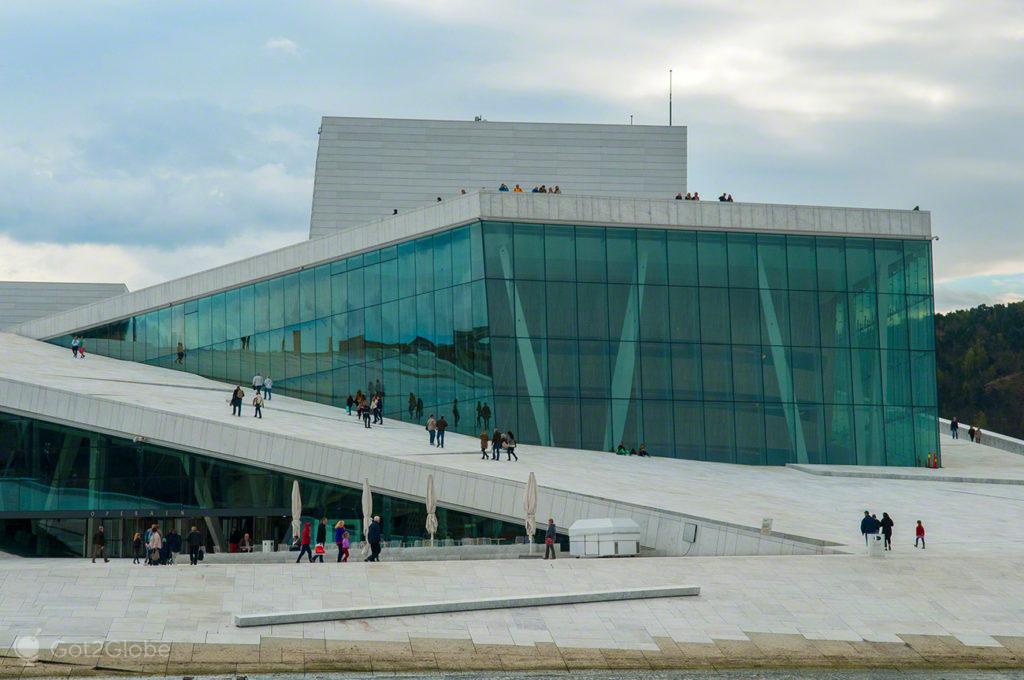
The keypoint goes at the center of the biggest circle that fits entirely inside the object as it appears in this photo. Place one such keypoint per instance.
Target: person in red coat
(305, 549)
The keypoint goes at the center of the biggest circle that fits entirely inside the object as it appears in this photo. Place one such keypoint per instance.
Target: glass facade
(711, 345)
(55, 479)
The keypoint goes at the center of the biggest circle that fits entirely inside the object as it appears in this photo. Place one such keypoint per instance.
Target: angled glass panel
(742, 260)
(591, 264)
(622, 264)
(745, 312)
(918, 258)
(560, 252)
(689, 429)
(682, 257)
(831, 259)
(719, 432)
(805, 328)
(652, 257)
(716, 367)
(746, 372)
(307, 295)
(750, 447)
(860, 264)
(684, 314)
(442, 247)
(714, 315)
(802, 263)
(654, 316)
(561, 301)
(687, 375)
(713, 262)
(593, 315)
(529, 252)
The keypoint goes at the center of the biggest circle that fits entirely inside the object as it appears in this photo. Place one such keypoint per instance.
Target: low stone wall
(298, 655)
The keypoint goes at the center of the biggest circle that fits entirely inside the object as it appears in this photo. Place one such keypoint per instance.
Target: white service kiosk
(605, 537)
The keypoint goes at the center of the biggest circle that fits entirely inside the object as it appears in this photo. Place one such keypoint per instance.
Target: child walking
(344, 547)
(919, 531)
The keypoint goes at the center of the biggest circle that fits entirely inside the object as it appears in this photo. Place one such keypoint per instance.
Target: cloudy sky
(141, 141)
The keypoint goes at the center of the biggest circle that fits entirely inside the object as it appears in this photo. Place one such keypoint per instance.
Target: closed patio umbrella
(530, 506)
(296, 511)
(431, 509)
(367, 516)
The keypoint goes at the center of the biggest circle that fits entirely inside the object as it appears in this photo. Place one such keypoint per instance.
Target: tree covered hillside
(980, 362)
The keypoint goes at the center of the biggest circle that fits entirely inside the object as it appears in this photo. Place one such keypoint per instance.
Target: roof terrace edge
(492, 205)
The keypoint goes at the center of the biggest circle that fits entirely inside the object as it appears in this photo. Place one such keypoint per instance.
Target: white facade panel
(368, 167)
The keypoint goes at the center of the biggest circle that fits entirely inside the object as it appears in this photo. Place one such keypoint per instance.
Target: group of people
(436, 427)
(973, 432)
(367, 408)
(315, 550)
(695, 196)
(495, 443)
(152, 548)
(78, 347)
(870, 526)
(542, 189)
(621, 450)
(262, 391)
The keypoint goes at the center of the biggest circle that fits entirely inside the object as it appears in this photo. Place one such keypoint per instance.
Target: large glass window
(729, 346)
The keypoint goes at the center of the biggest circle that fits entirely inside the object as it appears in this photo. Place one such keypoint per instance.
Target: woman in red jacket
(305, 549)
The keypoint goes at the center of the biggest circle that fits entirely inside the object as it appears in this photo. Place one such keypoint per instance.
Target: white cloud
(282, 45)
(137, 266)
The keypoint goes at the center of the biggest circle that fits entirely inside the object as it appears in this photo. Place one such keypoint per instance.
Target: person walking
(364, 410)
(194, 541)
(550, 536)
(349, 403)
(376, 408)
(155, 546)
(865, 526)
(484, 442)
(977, 431)
(173, 544)
(321, 541)
(432, 428)
(137, 552)
(180, 354)
(75, 342)
(485, 412)
(257, 383)
(887, 525)
(496, 445)
(373, 537)
(343, 556)
(510, 446)
(954, 428)
(919, 534)
(81, 348)
(455, 413)
(268, 386)
(236, 401)
(304, 548)
(257, 404)
(339, 533)
(99, 545)
(441, 426)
